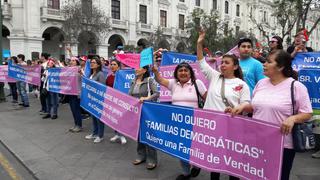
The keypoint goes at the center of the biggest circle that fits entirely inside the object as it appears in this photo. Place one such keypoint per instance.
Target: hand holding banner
(214, 140)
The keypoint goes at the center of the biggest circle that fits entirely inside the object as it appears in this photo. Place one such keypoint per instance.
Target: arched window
(226, 7)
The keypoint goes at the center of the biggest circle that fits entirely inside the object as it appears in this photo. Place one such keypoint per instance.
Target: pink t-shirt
(272, 103)
(185, 95)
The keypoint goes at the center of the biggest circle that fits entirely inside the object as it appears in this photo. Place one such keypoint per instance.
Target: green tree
(218, 35)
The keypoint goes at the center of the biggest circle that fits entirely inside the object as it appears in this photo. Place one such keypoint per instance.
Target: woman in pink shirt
(271, 102)
(183, 91)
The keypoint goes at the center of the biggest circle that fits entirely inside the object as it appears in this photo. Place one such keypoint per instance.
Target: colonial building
(34, 26)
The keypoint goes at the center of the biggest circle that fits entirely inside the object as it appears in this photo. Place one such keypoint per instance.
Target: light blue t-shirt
(252, 71)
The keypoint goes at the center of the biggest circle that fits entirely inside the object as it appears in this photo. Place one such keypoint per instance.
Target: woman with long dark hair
(115, 65)
(226, 89)
(96, 75)
(145, 88)
(184, 93)
(271, 102)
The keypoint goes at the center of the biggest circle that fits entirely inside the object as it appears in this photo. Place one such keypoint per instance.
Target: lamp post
(2, 95)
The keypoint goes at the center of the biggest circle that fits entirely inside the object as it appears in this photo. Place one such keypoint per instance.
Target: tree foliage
(83, 17)
(218, 36)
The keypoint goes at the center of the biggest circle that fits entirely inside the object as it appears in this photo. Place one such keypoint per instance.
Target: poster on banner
(306, 60)
(4, 74)
(28, 74)
(64, 80)
(311, 79)
(87, 69)
(214, 141)
(168, 71)
(129, 59)
(146, 57)
(171, 58)
(123, 80)
(117, 110)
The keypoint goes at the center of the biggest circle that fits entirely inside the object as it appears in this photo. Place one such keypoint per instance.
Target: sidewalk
(52, 153)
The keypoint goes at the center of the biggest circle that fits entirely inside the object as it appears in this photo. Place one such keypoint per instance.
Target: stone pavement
(51, 153)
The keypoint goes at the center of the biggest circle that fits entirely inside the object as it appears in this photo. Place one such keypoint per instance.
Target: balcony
(6, 11)
(166, 31)
(119, 24)
(182, 33)
(52, 14)
(141, 27)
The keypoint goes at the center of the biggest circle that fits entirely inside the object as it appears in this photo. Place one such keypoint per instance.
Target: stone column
(102, 50)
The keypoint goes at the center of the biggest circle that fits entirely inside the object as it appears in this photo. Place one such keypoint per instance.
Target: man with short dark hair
(251, 68)
(21, 85)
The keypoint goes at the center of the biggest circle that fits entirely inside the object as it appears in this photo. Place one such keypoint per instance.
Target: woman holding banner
(74, 102)
(226, 89)
(144, 87)
(115, 66)
(96, 74)
(272, 102)
(185, 89)
(51, 97)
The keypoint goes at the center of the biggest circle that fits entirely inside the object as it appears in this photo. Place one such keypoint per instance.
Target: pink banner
(167, 72)
(131, 60)
(121, 112)
(4, 74)
(247, 148)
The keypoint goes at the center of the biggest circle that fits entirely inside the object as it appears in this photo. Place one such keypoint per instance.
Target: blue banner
(156, 122)
(123, 80)
(146, 57)
(306, 60)
(92, 94)
(311, 79)
(171, 58)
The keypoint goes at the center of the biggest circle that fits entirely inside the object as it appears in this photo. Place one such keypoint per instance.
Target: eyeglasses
(93, 62)
(113, 64)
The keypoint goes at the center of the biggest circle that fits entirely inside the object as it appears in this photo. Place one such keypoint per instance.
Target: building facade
(34, 26)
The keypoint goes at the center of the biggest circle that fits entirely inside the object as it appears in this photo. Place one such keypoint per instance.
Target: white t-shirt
(236, 90)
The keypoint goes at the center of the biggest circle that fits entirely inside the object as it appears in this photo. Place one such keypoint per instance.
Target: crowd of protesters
(237, 85)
